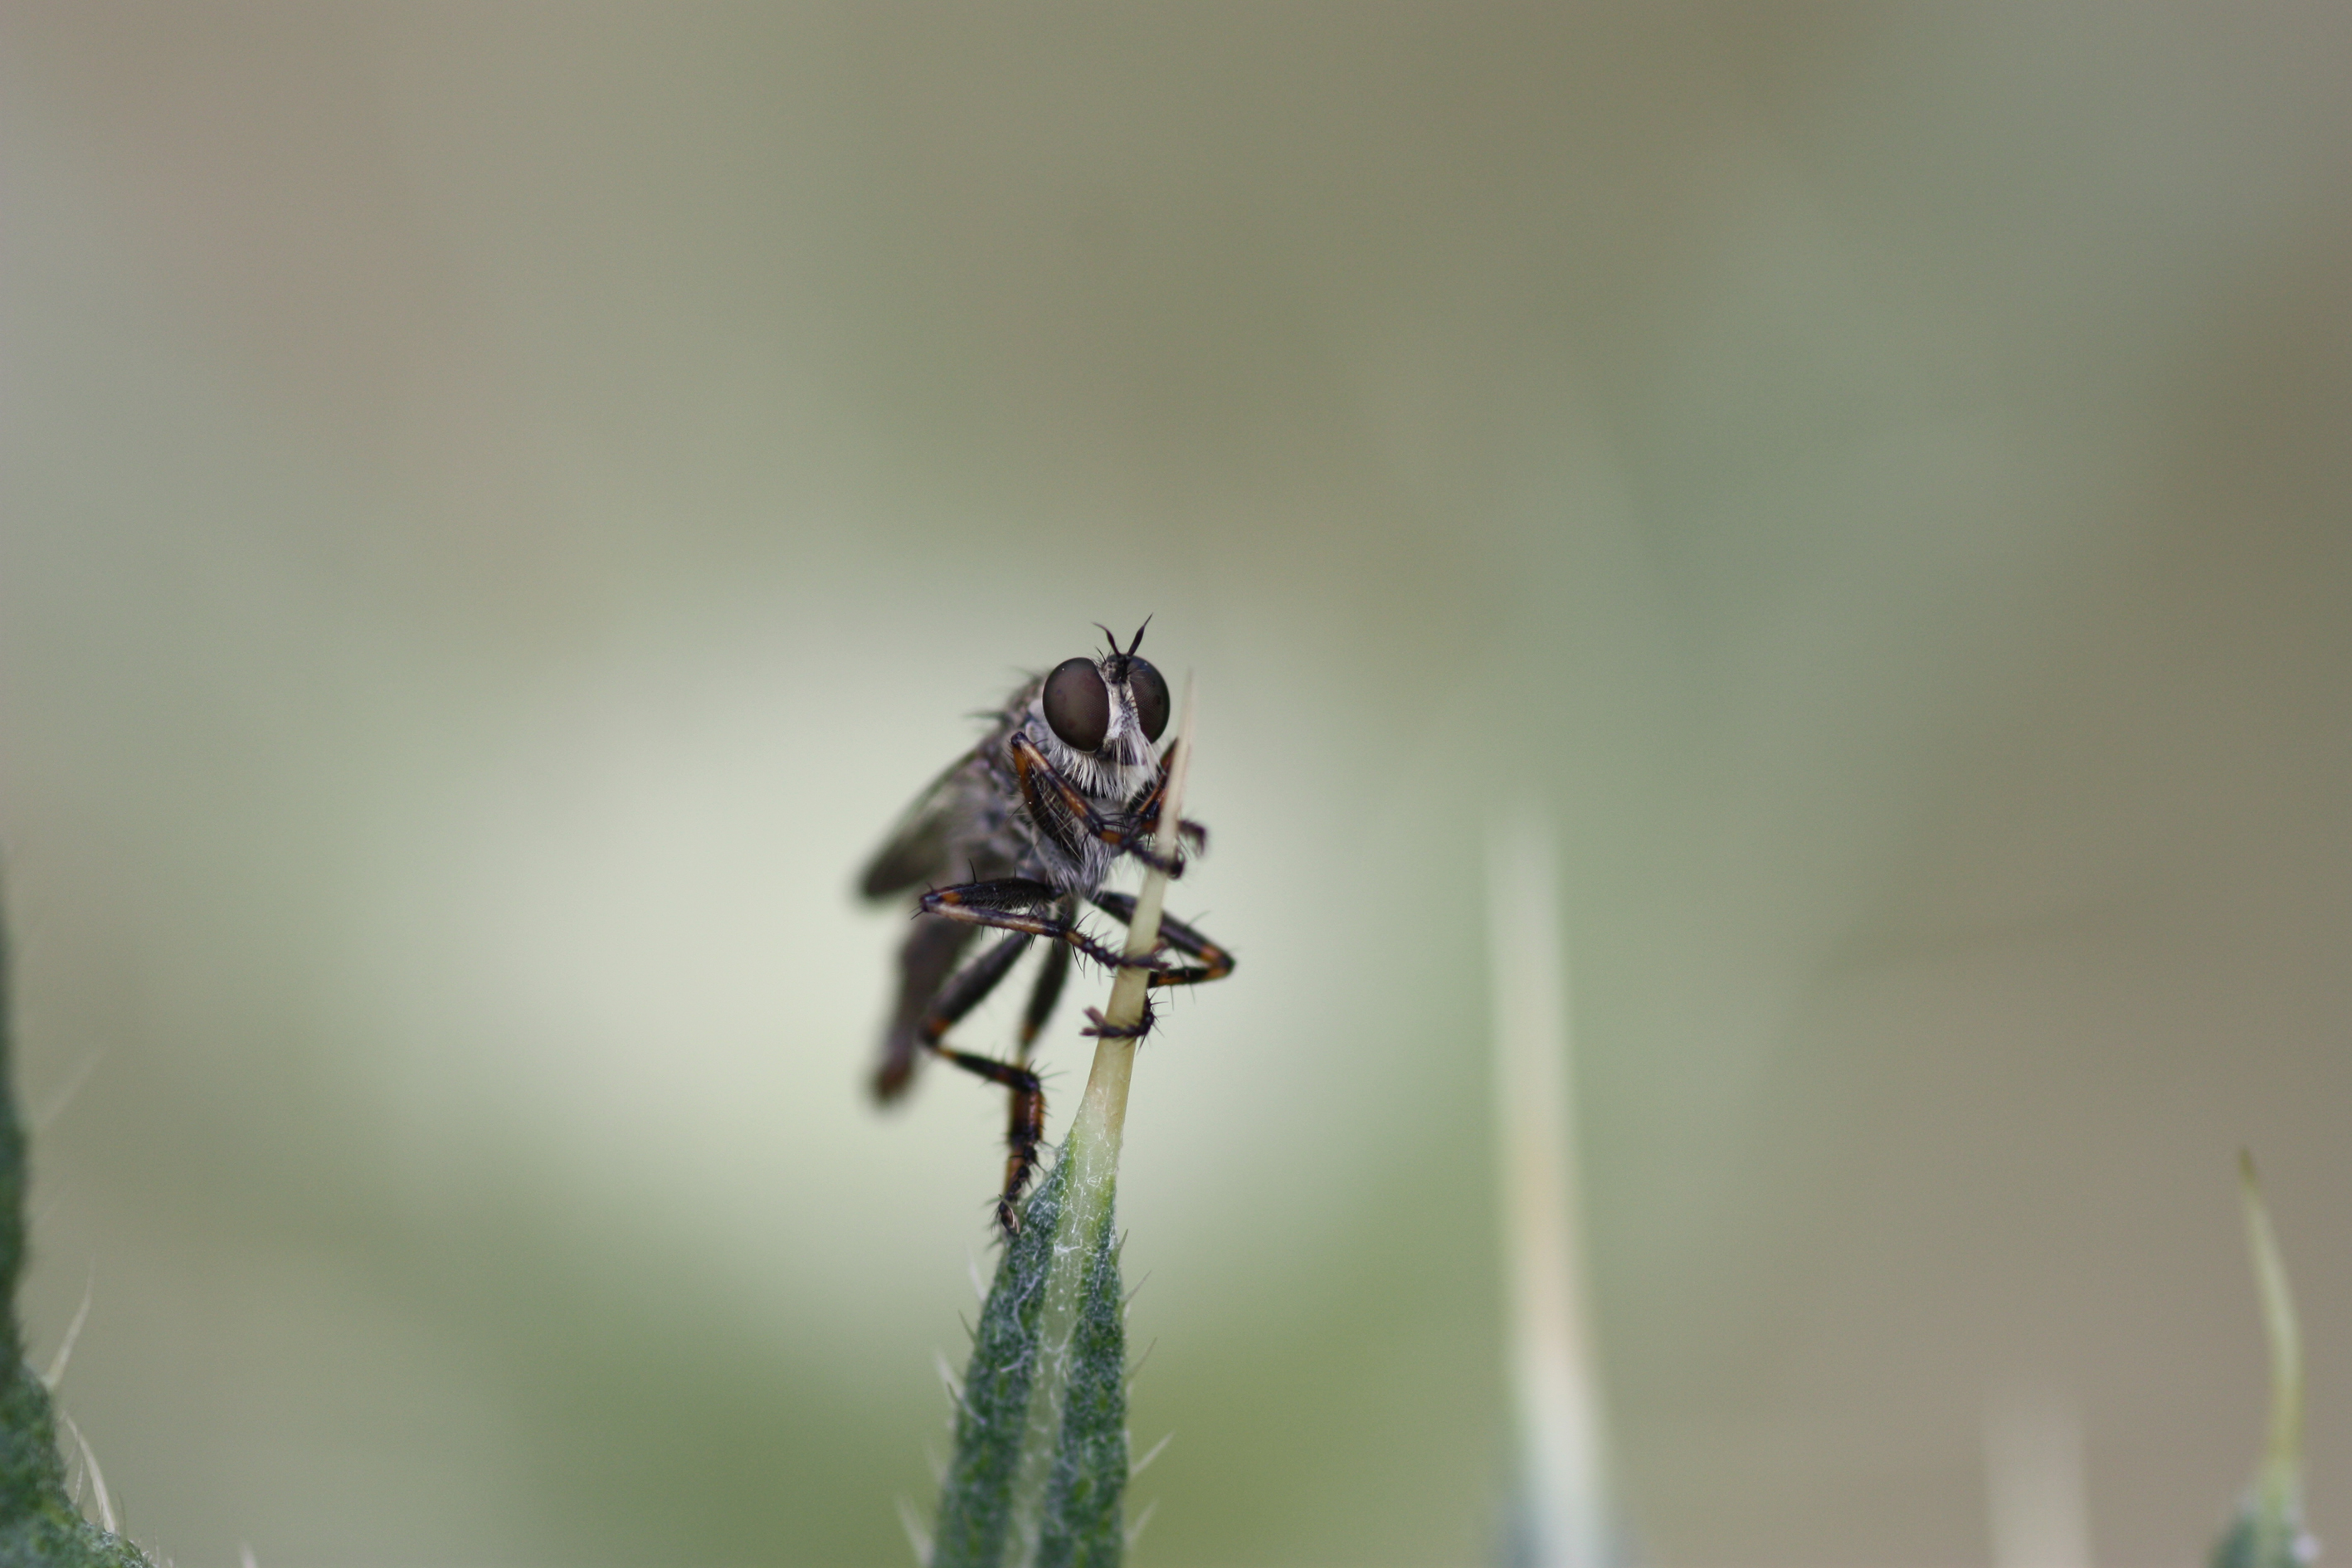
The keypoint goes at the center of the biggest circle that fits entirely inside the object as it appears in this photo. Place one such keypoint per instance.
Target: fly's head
(1096, 718)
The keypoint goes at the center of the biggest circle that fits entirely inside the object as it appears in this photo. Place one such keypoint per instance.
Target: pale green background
(503, 503)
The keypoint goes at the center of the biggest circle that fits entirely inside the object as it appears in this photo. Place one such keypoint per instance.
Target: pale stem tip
(1102, 1114)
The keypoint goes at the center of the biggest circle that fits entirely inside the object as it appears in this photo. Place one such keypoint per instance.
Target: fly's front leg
(1030, 907)
(1062, 809)
(1145, 808)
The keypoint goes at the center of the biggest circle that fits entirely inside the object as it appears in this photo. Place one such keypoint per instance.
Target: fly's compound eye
(1077, 704)
(1150, 698)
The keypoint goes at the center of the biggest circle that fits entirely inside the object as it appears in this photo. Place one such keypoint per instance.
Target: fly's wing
(917, 852)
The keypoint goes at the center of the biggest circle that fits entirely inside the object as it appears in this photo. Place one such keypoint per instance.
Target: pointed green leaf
(976, 1500)
(1040, 1464)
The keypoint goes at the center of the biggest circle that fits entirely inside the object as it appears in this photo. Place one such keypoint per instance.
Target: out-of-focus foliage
(39, 1525)
(504, 504)
(2269, 1530)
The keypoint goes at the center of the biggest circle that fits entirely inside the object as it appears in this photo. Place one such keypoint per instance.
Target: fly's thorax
(1082, 872)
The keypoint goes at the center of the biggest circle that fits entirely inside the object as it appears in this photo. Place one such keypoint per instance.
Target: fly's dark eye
(1077, 704)
(1150, 698)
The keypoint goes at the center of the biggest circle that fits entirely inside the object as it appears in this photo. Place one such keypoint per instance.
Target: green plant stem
(1041, 1462)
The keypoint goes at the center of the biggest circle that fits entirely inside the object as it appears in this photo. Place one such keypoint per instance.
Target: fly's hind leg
(1025, 1125)
(1051, 974)
(930, 955)
(1024, 1129)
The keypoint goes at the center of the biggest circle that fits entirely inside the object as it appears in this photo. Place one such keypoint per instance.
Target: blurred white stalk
(2281, 1479)
(2269, 1530)
(1563, 1504)
(2033, 1474)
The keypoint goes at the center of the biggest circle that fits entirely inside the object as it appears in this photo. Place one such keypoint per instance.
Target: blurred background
(504, 504)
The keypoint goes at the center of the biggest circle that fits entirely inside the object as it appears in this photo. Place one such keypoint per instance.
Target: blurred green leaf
(38, 1522)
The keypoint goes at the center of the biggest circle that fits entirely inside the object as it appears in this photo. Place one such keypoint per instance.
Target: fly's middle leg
(1030, 908)
(1025, 1124)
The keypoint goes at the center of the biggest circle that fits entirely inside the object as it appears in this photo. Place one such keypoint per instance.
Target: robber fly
(1034, 818)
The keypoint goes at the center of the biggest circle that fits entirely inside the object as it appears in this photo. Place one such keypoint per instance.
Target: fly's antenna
(1108, 634)
(1139, 636)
